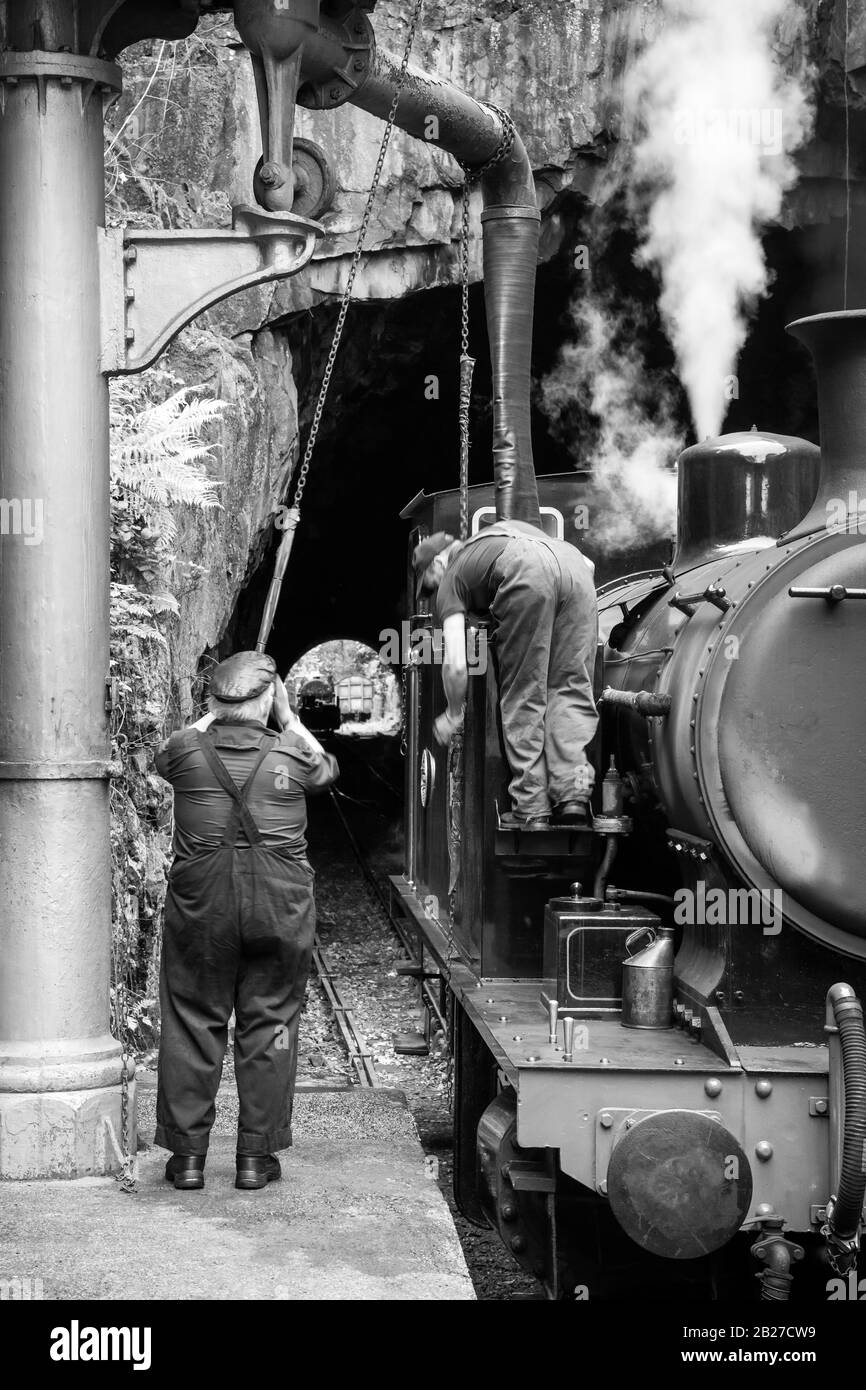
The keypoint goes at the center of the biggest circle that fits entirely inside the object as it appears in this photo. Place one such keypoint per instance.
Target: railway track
(358, 1053)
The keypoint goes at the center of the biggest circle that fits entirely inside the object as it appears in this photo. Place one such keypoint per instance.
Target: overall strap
(510, 532)
(240, 810)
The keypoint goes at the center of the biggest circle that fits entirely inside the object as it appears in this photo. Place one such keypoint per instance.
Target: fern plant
(158, 459)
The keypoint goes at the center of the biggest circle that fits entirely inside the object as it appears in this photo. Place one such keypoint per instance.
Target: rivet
(503, 1018)
(490, 1001)
(820, 1107)
(712, 1086)
(605, 1119)
(533, 1059)
(763, 1088)
(605, 1061)
(679, 1061)
(764, 1150)
(518, 1037)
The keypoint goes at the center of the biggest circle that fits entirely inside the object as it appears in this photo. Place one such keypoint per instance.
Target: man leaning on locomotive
(540, 596)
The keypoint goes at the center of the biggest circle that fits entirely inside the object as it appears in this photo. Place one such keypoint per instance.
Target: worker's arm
(322, 770)
(454, 676)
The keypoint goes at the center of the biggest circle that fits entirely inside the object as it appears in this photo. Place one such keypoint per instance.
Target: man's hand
(445, 727)
(282, 708)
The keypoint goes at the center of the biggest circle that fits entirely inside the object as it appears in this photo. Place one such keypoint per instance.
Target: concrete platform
(357, 1216)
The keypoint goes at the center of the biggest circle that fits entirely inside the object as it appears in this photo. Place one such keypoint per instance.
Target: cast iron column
(59, 1066)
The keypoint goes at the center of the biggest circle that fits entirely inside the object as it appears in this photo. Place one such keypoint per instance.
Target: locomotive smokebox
(837, 343)
(741, 488)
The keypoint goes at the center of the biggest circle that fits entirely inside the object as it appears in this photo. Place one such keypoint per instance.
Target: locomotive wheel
(315, 184)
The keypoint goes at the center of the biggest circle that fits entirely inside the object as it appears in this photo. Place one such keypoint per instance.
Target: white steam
(632, 499)
(718, 120)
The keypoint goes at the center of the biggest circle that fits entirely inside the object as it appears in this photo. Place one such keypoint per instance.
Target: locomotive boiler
(682, 1158)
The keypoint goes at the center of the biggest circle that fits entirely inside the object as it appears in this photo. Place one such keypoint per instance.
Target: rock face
(187, 145)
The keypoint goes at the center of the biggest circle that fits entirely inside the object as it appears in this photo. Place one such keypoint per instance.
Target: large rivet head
(763, 1088)
(605, 1119)
(764, 1150)
(712, 1086)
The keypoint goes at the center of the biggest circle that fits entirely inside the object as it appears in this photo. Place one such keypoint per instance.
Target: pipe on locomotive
(434, 110)
(844, 1026)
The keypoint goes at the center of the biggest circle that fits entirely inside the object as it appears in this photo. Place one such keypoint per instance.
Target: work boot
(571, 813)
(186, 1171)
(513, 820)
(256, 1170)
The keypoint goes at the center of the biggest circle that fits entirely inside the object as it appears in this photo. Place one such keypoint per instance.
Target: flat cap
(242, 677)
(424, 552)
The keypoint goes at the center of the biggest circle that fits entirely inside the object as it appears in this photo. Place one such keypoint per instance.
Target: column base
(63, 1134)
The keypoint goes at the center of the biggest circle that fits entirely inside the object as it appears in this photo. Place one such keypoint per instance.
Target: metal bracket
(153, 283)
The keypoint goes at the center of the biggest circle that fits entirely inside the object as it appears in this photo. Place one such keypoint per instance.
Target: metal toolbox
(584, 948)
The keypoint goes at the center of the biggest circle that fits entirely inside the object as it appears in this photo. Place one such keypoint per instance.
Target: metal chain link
(356, 258)
(467, 367)
(126, 1178)
(472, 175)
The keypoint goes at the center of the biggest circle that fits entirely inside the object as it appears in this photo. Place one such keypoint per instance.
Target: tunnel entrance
(352, 678)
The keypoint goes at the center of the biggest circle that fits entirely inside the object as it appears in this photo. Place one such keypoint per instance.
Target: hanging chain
(126, 1178)
(467, 367)
(472, 174)
(356, 258)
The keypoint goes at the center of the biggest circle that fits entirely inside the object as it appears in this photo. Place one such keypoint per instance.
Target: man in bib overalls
(239, 919)
(541, 598)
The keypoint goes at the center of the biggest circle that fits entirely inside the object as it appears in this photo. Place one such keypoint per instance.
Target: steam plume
(717, 120)
(632, 498)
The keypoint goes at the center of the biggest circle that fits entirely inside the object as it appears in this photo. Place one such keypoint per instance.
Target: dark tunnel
(383, 440)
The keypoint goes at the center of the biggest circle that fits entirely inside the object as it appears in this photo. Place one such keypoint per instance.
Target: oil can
(648, 979)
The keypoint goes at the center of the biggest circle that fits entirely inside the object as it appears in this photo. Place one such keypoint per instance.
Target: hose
(844, 1210)
(775, 1286)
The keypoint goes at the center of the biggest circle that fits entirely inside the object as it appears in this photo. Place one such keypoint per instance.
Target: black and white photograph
(432, 669)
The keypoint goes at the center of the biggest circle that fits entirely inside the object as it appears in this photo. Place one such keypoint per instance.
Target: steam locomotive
(727, 1141)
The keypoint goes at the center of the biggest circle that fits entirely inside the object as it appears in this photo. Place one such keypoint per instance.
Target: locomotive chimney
(837, 343)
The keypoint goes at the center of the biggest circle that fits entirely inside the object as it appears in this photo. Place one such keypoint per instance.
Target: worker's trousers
(239, 927)
(545, 637)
